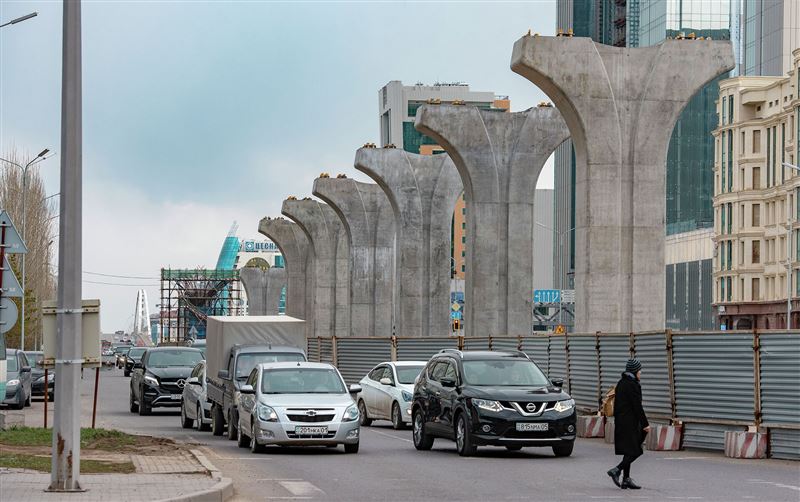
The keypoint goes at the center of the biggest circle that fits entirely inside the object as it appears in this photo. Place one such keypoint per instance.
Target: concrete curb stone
(220, 492)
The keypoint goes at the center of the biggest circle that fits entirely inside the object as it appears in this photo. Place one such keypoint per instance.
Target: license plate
(529, 427)
(311, 431)
(175, 397)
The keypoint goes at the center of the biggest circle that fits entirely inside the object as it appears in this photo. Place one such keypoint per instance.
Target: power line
(121, 276)
(120, 284)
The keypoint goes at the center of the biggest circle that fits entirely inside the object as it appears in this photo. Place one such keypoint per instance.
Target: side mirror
(558, 382)
(355, 388)
(193, 381)
(386, 381)
(247, 389)
(223, 374)
(25, 369)
(448, 382)
(137, 364)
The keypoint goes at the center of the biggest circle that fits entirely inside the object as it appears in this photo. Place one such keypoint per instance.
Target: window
(377, 373)
(728, 298)
(730, 109)
(755, 293)
(463, 239)
(741, 145)
(741, 255)
(756, 253)
(730, 159)
(723, 164)
(741, 216)
(756, 218)
(768, 158)
(756, 178)
(722, 289)
(756, 140)
(724, 110)
(730, 255)
(730, 217)
(722, 248)
(723, 212)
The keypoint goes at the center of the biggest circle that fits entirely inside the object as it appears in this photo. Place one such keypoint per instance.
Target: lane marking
(301, 488)
(392, 436)
(779, 485)
(684, 458)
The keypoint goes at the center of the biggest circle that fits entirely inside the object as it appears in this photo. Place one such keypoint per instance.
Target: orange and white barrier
(609, 430)
(664, 437)
(744, 444)
(591, 426)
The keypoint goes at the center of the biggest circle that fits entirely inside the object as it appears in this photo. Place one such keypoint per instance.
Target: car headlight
(407, 396)
(350, 414)
(151, 380)
(563, 406)
(487, 405)
(266, 413)
(12, 383)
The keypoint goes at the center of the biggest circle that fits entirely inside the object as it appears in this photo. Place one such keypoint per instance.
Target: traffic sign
(567, 296)
(547, 296)
(8, 314)
(13, 242)
(561, 329)
(455, 315)
(456, 306)
(10, 283)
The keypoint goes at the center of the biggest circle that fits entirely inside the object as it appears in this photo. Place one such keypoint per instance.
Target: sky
(199, 114)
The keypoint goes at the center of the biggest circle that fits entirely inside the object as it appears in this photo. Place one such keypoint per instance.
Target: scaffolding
(189, 296)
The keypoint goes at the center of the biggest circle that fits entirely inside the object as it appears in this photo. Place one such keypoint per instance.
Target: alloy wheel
(460, 434)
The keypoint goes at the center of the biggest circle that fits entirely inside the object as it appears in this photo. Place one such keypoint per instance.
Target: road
(389, 468)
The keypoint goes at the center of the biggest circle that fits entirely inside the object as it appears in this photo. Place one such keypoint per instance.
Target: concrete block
(746, 444)
(10, 419)
(664, 437)
(591, 426)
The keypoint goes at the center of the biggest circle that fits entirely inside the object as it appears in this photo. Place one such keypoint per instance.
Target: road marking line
(684, 458)
(300, 488)
(392, 436)
(779, 485)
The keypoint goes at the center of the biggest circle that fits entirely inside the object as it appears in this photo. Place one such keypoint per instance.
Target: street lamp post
(42, 155)
(560, 236)
(789, 255)
(20, 19)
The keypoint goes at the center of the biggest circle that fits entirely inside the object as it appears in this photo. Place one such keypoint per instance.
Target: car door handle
(437, 393)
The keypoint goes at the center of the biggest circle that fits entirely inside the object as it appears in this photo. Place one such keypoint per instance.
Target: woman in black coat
(630, 423)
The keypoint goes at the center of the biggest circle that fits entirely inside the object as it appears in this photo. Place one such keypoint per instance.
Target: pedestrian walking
(630, 424)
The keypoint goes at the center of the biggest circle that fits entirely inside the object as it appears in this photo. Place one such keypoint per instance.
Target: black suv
(158, 379)
(483, 398)
(133, 356)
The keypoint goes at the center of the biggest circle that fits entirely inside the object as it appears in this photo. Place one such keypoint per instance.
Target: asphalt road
(389, 468)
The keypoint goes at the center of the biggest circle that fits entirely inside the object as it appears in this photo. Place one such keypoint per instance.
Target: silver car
(297, 404)
(195, 408)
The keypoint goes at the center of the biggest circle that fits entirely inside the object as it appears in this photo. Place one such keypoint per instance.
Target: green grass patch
(101, 439)
(41, 463)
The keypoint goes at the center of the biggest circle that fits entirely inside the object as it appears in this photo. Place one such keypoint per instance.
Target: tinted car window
(302, 381)
(376, 373)
(504, 372)
(173, 358)
(12, 363)
(450, 371)
(408, 374)
(439, 370)
(136, 352)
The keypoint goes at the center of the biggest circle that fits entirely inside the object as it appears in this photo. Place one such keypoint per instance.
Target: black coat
(629, 417)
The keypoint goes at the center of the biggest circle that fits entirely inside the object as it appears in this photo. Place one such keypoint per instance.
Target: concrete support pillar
(621, 106)
(368, 220)
(299, 257)
(499, 157)
(422, 190)
(331, 266)
(263, 288)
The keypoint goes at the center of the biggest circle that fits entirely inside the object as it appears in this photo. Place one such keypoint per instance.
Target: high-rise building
(771, 30)
(757, 201)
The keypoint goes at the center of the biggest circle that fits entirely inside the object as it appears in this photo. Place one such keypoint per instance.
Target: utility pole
(66, 455)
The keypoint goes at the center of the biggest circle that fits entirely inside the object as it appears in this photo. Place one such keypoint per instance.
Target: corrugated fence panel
(651, 350)
(714, 376)
(421, 349)
(583, 370)
(326, 350)
(537, 348)
(780, 378)
(505, 343)
(313, 350)
(784, 443)
(356, 356)
(476, 343)
(614, 352)
(707, 436)
(557, 359)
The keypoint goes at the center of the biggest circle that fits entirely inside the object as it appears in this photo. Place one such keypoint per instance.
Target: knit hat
(633, 365)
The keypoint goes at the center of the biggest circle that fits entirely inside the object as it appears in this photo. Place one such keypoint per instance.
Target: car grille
(171, 385)
(294, 435)
(313, 418)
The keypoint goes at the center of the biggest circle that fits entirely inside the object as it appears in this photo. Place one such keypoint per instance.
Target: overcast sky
(196, 114)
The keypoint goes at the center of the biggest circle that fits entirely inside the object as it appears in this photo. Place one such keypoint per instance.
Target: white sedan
(387, 392)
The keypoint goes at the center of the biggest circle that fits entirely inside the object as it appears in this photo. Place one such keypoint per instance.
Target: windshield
(12, 363)
(35, 358)
(302, 381)
(504, 372)
(174, 358)
(121, 350)
(408, 374)
(136, 352)
(247, 361)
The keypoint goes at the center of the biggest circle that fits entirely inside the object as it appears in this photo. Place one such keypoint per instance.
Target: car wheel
(513, 448)
(199, 425)
(254, 446)
(463, 438)
(422, 440)
(186, 422)
(363, 418)
(143, 408)
(133, 406)
(20, 401)
(351, 448)
(233, 421)
(242, 441)
(397, 417)
(217, 421)
(563, 450)
(51, 396)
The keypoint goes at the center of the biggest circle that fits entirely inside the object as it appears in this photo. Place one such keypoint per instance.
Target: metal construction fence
(711, 382)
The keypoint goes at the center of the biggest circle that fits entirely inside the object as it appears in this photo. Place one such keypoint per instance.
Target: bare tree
(39, 236)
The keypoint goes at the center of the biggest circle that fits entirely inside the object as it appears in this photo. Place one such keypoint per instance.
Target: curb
(220, 492)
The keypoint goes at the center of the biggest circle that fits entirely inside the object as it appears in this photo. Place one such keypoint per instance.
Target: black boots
(629, 484)
(614, 473)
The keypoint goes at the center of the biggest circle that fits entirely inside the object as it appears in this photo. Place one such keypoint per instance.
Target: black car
(158, 379)
(133, 356)
(482, 398)
(35, 359)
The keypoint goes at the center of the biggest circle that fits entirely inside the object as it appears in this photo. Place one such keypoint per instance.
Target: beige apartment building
(757, 202)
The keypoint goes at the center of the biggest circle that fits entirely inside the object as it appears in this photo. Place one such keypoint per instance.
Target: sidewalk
(170, 484)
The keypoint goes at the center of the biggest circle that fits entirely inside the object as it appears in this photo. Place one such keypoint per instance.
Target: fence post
(671, 374)
(394, 347)
(335, 351)
(756, 378)
(460, 342)
(566, 360)
(490, 342)
(599, 370)
(519, 343)
(631, 345)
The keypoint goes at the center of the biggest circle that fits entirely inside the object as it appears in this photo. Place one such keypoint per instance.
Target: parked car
(119, 354)
(485, 398)
(158, 379)
(297, 404)
(36, 360)
(18, 379)
(133, 356)
(387, 392)
(195, 408)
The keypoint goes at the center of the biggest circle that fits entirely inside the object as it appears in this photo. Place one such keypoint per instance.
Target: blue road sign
(547, 296)
(455, 315)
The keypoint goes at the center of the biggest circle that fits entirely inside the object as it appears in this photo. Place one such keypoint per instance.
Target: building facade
(770, 32)
(757, 201)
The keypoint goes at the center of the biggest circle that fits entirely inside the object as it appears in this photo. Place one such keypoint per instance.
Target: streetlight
(42, 156)
(560, 263)
(20, 19)
(789, 255)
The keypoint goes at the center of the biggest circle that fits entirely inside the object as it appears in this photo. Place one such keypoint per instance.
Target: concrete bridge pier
(263, 288)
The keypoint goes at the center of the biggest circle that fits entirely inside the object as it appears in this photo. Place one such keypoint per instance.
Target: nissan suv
(483, 398)
(159, 377)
